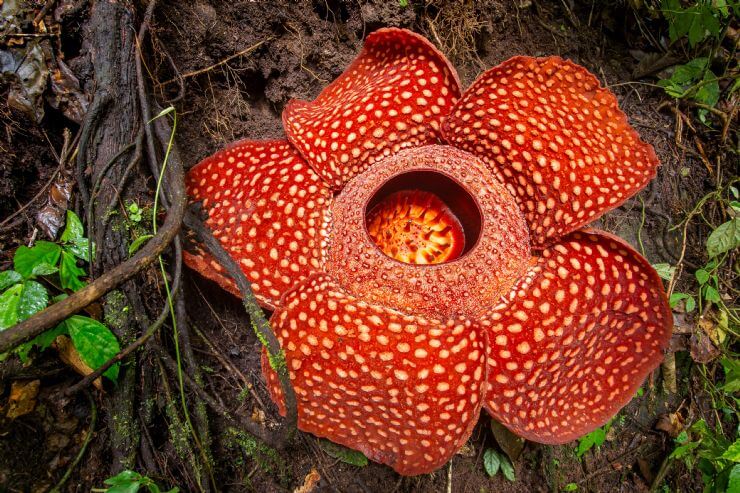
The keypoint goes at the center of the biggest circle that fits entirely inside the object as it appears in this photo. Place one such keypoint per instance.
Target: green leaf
(137, 243)
(665, 271)
(491, 462)
(74, 237)
(733, 452)
(733, 485)
(34, 298)
(344, 454)
(508, 469)
(80, 248)
(123, 477)
(571, 487)
(676, 297)
(711, 294)
(9, 302)
(732, 375)
(8, 278)
(69, 273)
(690, 304)
(683, 451)
(588, 441)
(702, 276)
(682, 437)
(39, 260)
(708, 93)
(94, 341)
(41, 341)
(690, 72)
(725, 238)
(74, 229)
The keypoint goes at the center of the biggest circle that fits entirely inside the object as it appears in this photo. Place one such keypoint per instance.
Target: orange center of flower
(416, 227)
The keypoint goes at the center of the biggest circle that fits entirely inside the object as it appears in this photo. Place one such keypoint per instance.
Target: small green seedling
(495, 461)
(131, 482)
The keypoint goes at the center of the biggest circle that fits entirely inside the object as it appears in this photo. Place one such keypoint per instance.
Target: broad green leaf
(725, 238)
(711, 294)
(588, 441)
(683, 451)
(733, 484)
(708, 93)
(69, 273)
(74, 229)
(9, 302)
(44, 269)
(94, 341)
(665, 271)
(732, 375)
(41, 341)
(34, 298)
(733, 452)
(491, 462)
(508, 469)
(37, 260)
(123, 477)
(138, 242)
(702, 276)
(571, 487)
(697, 31)
(676, 297)
(343, 453)
(80, 248)
(690, 304)
(8, 278)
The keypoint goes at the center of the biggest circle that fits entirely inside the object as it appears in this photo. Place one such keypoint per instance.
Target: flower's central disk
(416, 227)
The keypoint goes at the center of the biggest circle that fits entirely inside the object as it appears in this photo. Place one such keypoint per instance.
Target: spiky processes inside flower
(422, 218)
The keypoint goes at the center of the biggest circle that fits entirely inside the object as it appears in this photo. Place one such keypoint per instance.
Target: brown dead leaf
(22, 398)
(258, 416)
(714, 330)
(71, 357)
(702, 349)
(671, 423)
(467, 450)
(309, 482)
(508, 441)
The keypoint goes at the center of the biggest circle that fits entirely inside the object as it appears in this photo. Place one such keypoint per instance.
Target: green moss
(179, 431)
(117, 313)
(266, 458)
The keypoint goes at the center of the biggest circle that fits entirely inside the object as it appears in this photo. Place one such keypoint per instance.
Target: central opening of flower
(423, 217)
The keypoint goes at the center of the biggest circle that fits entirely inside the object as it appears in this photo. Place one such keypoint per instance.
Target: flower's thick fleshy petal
(575, 338)
(268, 209)
(556, 138)
(394, 95)
(404, 390)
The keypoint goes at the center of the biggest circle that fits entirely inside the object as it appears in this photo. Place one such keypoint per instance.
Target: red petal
(575, 338)
(498, 242)
(269, 209)
(394, 95)
(559, 141)
(404, 390)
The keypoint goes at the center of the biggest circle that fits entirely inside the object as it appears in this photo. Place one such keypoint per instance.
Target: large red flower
(422, 252)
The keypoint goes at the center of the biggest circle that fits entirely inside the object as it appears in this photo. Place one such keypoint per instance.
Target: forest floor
(237, 65)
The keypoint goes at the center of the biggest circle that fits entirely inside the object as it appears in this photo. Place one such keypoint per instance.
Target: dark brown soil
(298, 47)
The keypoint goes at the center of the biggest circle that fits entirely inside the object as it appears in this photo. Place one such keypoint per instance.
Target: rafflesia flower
(422, 252)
